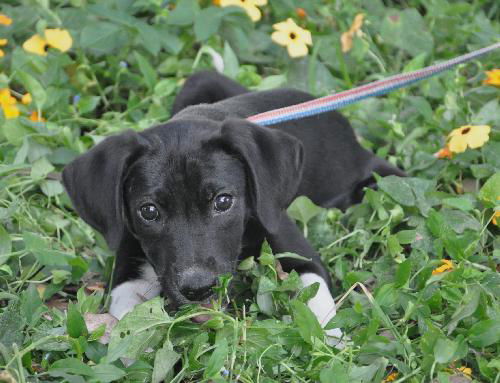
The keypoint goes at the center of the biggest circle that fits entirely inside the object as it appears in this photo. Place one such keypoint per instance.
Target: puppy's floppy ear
(94, 183)
(273, 161)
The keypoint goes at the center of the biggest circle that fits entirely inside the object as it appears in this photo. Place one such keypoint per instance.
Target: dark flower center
(293, 36)
(466, 130)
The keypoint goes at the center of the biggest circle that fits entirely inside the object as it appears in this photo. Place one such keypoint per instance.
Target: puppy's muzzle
(196, 284)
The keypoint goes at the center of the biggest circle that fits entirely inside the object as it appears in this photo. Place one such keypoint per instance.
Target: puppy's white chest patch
(322, 305)
(127, 295)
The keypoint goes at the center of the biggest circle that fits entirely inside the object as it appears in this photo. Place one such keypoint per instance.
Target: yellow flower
(391, 377)
(3, 42)
(493, 77)
(496, 215)
(250, 6)
(36, 118)
(472, 136)
(5, 20)
(26, 99)
(466, 371)
(355, 29)
(8, 104)
(446, 265)
(293, 37)
(55, 38)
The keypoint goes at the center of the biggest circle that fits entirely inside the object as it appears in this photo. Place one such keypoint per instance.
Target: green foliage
(127, 61)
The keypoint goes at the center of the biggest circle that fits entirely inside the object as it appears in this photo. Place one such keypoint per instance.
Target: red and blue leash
(376, 88)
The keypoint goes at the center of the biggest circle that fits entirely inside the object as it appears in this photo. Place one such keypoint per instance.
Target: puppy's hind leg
(206, 88)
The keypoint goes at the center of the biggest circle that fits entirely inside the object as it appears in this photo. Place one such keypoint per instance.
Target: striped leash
(376, 88)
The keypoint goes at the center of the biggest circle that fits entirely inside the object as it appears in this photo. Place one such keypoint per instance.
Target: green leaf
(444, 349)
(306, 321)
(485, 333)
(247, 264)
(397, 189)
(402, 274)
(207, 23)
(87, 104)
(184, 13)
(405, 237)
(308, 292)
(108, 373)
(148, 72)
(463, 204)
(334, 374)
(75, 324)
(165, 360)
(141, 327)
(490, 192)
(41, 168)
(393, 246)
(231, 64)
(217, 359)
(303, 209)
(165, 87)
(150, 37)
(34, 87)
(51, 188)
(467, 307)
(407, 30)
(11, 325)
(5, 244)
(101, 37)
(71, 366)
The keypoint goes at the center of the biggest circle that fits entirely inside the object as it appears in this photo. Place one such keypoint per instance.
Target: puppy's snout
(196, 284)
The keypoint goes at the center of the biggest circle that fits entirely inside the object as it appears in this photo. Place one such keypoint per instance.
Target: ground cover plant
(415, 265)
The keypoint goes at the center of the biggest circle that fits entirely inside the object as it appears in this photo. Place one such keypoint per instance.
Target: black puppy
(183, 202)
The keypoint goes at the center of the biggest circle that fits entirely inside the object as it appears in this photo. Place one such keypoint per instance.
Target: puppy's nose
(196, 285)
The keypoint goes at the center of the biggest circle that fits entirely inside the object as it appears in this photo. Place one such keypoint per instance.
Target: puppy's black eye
(223, 202)
(149, 212)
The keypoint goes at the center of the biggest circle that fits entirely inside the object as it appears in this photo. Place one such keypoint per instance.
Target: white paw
(127, 295)
(323, 306)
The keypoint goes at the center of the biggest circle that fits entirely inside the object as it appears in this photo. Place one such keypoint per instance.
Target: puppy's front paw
(127, 295)
(323, 306)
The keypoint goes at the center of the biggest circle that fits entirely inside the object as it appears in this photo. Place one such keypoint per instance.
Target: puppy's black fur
(208, 149)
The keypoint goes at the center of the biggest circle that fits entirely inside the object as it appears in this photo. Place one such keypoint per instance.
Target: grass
(126, 63)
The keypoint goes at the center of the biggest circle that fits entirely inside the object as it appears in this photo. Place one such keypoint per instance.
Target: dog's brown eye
(223, 202)
(149, 212)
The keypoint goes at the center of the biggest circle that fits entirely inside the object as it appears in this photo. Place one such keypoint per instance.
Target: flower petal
(228, 3)
(457, 144)
(478, 136)
(493, 77)
(357, 23)
(259, 2)
(305, 36)
(297, 49)
(10, 111)
(283, 26)
(26, 99)
(3, 42)
(281, 38)
(253, 12)
(36, 44)
(5, 20)
(59, 39)
(346, 41)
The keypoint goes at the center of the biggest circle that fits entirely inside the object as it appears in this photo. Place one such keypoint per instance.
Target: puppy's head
(185, 191)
